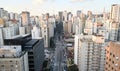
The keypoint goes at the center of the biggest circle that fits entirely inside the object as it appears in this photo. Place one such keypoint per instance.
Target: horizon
(38, 7)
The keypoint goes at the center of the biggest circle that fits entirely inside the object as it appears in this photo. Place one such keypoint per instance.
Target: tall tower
(25, 18)
(115, 12)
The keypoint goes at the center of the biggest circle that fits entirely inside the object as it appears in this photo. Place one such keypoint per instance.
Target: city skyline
(37, 7)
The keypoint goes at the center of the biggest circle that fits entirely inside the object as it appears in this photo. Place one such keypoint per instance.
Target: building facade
(112, 62)
(13, 59)
(115, 12)
(25, 18)
(89, 53)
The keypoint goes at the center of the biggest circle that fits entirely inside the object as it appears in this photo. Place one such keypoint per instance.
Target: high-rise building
(69, 26)
(12, 16)
(25, 18)
(61, 16)
(16, 16)
(78, 25)
(34, 48)
(47, 16)
(12, 58)
(65, 16)
(21, 30)
(1, 12)
(2, 22)
(35, 32)
(114, 31)
(45, 34)
(89, 15)
(8, 32)
(115, 12)
(1, 37)
(37, 21)
(27, 29)
(19, 21)
(65, 27)
(112, 62)
(51, 23)
(89, 53)
(88, 27)
(78, 13)
(70, 16)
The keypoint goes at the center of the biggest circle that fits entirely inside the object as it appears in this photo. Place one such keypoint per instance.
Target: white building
(51, 26)
(16, 16)
(20, 21)
(88, 27)
(112, 28)
(21, 30)
(35, 32)
(32, 20)
(114, 31)
(12, 58)
(1, 37)
(1, 12)
(65, 16)
(12, 15)
(89, 52)
(8, 32)
(78, 25)
(45, 33)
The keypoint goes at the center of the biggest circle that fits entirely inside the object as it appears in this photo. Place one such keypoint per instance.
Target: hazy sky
(37, 7)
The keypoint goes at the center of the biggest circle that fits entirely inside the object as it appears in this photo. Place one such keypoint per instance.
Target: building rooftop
(32, 42)
(115, 45)
(29, 45)
(10, 51)
(18, 40)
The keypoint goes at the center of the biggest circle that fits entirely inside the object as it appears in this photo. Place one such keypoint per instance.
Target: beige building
(13, 59)
(115, 12)
(25, 18)
(112, 57)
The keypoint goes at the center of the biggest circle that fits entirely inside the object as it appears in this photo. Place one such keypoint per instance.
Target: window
(10, 61)
(113, 62)
(106, 68)
(14, 47)
(109, 59)
(113, 55)
(110, 53)
(112, 68)
(106, 62)
(2, 65)
(11, 65)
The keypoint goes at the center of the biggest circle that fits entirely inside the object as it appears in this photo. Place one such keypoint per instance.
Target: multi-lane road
(60, 56)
